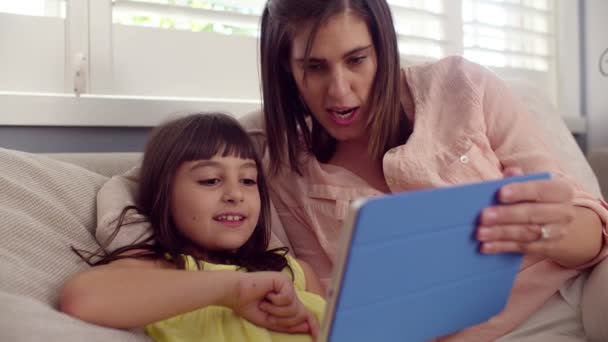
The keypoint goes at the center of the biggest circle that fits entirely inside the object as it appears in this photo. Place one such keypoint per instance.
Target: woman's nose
(339, 85)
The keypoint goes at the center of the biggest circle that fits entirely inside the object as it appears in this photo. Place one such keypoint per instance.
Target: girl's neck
(214, 258)
(355, 157)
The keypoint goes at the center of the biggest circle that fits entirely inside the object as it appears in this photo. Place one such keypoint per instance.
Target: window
(205, 51)
(41, 8)
(420, 24)
(34, 61)
(509, 33)
(222, 16)
(420, 27)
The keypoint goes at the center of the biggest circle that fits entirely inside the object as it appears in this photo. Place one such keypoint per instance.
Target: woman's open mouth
(343, 116)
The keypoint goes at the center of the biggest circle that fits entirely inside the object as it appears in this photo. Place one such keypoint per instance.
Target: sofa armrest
(598, 159)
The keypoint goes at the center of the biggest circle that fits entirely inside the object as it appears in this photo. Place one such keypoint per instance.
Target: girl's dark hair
(285, 115)
(190, 138)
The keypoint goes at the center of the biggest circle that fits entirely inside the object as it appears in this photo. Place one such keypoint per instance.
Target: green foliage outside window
(189, 24)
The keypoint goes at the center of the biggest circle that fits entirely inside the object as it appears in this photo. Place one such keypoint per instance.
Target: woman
(343, 120)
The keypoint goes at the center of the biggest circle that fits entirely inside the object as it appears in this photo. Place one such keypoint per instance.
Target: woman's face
(339, 74)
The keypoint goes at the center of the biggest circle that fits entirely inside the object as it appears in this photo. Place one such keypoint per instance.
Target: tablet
(409, 266)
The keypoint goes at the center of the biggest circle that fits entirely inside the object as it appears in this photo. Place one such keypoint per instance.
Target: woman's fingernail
(483, 233)
(489, 216)
(506, 193)
(487, 248)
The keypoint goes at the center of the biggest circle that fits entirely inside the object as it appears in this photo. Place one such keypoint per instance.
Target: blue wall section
(74, 139)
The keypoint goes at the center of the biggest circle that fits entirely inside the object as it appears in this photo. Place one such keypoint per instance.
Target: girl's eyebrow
(248, 165)
(212, 163)
(204, 163)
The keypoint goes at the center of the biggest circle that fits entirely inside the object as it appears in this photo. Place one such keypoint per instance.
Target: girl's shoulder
(132, 259)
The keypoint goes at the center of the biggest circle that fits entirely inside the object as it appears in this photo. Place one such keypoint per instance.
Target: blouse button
(464, 159)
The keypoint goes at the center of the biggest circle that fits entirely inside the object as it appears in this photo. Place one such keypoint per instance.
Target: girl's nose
(233, 193)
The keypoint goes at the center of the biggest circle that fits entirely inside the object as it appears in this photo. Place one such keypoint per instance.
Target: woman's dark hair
(190, 138)
(285, 115)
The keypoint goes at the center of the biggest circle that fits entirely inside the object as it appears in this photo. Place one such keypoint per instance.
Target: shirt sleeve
(517, 139)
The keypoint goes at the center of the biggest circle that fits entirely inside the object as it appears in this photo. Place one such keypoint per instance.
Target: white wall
(596, 84)
(569, 62)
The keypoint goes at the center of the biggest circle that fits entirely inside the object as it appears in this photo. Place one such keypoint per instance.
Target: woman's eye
(356, 60)
(249, 182)
(314, 66)
(208, 182)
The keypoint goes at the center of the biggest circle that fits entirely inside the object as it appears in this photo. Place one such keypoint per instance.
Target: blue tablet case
(414, 271)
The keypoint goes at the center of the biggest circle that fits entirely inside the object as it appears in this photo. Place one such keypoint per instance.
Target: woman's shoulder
(452, 72)
(253, 123)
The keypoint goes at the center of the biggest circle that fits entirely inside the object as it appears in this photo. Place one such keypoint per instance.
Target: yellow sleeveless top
(221, 324)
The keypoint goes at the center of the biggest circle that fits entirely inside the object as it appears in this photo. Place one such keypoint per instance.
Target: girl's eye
(249, 182)
(356, 60)
(208, 182)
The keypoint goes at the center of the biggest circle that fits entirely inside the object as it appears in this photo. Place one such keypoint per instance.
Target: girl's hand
(252, 298)
(286, 310)
(534, 217)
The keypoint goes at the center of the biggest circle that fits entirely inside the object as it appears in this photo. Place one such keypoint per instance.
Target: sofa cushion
(31, 320)
(46, 206)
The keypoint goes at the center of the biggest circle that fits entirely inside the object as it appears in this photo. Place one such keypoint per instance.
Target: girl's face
(216, 202)
(339, 75)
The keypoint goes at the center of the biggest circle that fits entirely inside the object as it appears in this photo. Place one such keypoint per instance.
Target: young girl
(203, 190)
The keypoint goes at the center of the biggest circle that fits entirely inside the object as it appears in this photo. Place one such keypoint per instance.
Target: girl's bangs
(223, 137)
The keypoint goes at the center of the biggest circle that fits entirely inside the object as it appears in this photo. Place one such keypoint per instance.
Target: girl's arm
(131, 293)
(312, 280)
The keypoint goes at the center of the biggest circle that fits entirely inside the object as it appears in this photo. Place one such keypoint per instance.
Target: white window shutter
(518, 34)
(421, 28)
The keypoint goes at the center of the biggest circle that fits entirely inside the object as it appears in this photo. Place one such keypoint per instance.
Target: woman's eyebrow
(356, 50)
(347, 54)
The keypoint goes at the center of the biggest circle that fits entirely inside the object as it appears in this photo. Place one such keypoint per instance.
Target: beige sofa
(48, 203)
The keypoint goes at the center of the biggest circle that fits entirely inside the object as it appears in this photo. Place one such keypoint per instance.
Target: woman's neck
(355, 157)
